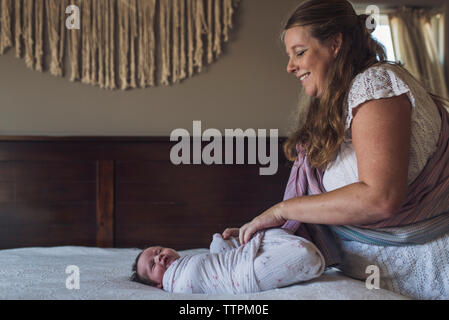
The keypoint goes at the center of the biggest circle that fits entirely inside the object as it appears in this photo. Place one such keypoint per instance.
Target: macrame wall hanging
(120, 43)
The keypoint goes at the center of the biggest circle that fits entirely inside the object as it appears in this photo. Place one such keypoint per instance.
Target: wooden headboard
(122, 192)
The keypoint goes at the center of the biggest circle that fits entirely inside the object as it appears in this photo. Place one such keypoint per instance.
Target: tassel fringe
(121, 43)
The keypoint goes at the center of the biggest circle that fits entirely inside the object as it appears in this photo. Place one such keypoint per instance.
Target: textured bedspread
(40, 273)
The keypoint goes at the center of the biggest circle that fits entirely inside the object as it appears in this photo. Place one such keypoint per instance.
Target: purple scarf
(305, 180)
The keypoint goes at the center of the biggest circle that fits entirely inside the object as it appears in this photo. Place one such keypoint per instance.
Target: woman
(377, 141)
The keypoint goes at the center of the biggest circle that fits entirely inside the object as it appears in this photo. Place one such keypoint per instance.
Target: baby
(272, 259)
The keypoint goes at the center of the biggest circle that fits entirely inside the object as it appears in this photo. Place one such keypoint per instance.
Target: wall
(246, 88)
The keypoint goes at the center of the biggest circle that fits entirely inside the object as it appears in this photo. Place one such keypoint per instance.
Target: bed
(40, 273)
(91, 202)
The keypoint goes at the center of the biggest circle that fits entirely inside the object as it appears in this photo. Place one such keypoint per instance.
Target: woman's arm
(381, 139)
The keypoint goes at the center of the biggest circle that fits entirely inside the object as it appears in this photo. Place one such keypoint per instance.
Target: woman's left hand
(270, 218)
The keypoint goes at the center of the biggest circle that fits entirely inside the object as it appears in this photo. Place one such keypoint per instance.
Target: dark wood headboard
(122, 192)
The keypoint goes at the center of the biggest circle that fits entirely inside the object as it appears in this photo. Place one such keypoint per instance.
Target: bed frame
(122, 192)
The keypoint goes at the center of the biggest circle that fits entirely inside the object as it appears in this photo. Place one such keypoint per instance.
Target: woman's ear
(336, 44)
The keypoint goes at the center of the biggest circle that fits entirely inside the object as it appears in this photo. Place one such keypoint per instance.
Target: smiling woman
(335, 53)
(309, 60)
(372, 159)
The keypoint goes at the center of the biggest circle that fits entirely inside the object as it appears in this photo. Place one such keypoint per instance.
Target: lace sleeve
(375, 83)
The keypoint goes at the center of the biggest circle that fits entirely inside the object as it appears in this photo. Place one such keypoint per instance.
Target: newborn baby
(273, 258)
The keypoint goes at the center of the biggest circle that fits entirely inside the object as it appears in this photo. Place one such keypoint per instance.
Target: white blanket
(231, 271)
(271, 259)
(40, 273)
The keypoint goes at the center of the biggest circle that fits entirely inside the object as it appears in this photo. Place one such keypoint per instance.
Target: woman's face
(309, 58)
(153, 263)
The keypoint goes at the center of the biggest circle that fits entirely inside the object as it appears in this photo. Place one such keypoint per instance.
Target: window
(382, 34)
(436, 28)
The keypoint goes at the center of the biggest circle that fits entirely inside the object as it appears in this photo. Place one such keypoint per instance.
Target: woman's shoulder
(382, 68)
(383, 80)
(378, 68)
(380, 81)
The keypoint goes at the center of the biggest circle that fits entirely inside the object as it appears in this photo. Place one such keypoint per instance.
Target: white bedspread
(40, 273)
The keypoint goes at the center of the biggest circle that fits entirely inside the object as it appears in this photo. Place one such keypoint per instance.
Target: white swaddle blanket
(272, 258)
(231, 271)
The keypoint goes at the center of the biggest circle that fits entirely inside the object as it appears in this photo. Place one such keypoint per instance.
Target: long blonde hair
(323, 131)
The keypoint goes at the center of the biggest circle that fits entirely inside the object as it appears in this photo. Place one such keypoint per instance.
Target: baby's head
(151, 264)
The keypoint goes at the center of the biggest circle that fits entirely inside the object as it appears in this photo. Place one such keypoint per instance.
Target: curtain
(416, 46)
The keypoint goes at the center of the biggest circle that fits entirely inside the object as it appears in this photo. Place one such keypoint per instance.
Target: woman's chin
(310, 93)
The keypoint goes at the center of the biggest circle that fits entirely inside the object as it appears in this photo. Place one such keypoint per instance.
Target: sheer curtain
(415, 35)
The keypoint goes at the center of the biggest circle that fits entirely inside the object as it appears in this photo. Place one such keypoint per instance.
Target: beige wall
(246, 88)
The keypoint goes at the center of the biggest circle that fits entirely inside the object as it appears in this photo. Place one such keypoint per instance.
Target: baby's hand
(219, 245)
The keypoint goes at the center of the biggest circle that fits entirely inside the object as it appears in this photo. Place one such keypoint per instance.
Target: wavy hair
(323, 131)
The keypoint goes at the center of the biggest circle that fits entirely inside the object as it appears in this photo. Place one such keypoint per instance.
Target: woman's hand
(230, 232)
(270, 218)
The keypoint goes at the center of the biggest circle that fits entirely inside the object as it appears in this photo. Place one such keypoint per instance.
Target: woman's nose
(291, 67)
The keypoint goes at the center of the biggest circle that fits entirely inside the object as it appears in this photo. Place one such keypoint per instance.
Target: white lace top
(386, 81)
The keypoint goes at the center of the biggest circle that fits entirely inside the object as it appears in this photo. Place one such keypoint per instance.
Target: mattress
(50, 273)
